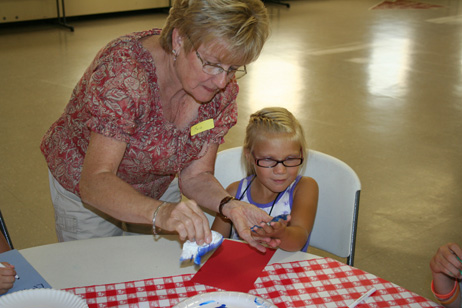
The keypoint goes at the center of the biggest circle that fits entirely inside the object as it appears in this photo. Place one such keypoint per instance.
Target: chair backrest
(335, 225)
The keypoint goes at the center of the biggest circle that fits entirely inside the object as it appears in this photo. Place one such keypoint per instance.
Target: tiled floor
(379, 89)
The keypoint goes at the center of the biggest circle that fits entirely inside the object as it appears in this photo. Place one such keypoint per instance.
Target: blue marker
(275, 219)
(459, 261)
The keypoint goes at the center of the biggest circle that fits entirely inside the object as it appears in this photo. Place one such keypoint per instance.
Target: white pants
(75, 220)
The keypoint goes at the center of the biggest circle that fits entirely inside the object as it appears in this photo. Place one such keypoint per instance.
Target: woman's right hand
(7, 277)
(187, 219)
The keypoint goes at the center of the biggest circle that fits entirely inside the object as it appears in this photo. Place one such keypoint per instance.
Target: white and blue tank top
(282, 204)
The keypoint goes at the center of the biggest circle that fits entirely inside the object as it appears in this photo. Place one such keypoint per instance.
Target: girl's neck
(260, 193)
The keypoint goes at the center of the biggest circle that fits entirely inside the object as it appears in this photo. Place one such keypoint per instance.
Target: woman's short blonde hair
(268, 122)
(241, 26)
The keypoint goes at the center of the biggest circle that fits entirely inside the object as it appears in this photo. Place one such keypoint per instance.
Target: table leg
(62, 19)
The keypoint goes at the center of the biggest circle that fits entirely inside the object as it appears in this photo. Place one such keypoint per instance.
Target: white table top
(118, 259)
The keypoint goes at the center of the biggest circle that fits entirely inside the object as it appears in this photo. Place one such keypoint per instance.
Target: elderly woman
(153, 106)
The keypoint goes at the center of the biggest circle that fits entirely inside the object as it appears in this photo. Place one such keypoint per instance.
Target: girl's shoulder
(306, 182)
(232, 188)
(237, 188)
(306, 190)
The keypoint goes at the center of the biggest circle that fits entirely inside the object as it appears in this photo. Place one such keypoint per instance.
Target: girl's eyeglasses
(271, 163)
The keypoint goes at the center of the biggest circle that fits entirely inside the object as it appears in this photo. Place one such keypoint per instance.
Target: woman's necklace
(245, 190)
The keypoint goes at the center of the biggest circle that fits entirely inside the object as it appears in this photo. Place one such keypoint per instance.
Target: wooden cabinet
(22, 10)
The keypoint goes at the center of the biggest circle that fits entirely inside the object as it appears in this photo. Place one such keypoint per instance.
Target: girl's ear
(249, 167)
(247, 154)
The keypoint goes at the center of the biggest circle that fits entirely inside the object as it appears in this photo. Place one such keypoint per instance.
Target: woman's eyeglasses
(217, 69)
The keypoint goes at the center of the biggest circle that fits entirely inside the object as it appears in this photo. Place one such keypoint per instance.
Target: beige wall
(22, 10)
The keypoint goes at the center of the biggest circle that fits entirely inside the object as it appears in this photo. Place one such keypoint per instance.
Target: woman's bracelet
(222, 204)
(154, 216)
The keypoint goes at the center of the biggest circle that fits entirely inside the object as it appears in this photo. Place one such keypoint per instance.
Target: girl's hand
(446, 261)
(187, 219)
(7, 277)
(274, 230)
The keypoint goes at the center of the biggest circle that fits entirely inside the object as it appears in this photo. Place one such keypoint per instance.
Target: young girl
(274, 151)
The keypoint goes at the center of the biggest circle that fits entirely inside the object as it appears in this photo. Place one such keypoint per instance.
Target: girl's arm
(302, 215)
(293, 234)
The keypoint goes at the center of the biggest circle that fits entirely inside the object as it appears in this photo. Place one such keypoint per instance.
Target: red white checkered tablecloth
(321, 282)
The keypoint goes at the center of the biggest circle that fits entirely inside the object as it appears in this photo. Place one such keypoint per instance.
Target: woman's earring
(175, 55)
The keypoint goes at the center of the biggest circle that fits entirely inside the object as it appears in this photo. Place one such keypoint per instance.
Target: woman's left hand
(244, 216)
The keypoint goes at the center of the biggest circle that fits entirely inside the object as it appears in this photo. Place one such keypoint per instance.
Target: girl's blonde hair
(241, 26)
(268, 121)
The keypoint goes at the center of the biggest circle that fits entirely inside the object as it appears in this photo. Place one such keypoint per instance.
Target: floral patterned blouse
(118, 97)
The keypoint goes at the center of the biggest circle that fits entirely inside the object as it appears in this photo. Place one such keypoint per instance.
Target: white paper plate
(42, 298)
(225, 299)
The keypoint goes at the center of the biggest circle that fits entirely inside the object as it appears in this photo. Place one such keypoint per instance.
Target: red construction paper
(234, 266)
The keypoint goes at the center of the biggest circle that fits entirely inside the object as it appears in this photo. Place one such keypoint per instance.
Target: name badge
(202, 126)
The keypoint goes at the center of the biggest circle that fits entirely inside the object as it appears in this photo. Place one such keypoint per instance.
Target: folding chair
(336, 220)
(4, 231)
